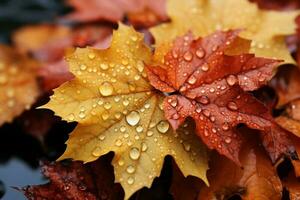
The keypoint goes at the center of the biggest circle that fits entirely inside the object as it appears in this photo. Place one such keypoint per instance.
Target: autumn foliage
(208, 88)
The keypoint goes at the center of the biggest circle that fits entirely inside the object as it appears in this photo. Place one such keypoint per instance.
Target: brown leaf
(286, 84)
(212, 87)
(77, 181)
(256, 180)
(293, 186)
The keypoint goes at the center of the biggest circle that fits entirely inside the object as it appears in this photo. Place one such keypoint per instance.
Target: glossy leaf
(118, 110)
(211, 87)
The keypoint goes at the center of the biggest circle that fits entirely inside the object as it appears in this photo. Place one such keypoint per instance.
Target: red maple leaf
(76, 181)
(212, 87)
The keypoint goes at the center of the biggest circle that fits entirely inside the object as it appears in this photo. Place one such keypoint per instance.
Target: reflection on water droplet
(231, 80)
(71, 117)
(188, 56)
(91, 56)
(130, 169)
(149, 133)
(200, 53)
(106, 89)
(133, 118)
(96, 152)
(134, 153)
(144, 147)
(232, 105)
(104, 66)
(163, 126)
(130, 180)
(192, 80)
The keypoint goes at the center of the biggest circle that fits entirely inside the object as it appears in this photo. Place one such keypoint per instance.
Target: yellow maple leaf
(117, 110)
(18, 84)
(266, 29)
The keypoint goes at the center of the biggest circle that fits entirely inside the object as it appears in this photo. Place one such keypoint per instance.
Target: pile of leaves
(208, 87)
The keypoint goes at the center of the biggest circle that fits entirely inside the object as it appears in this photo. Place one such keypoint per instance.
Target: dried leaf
(257, 179)
(117, 110)
(18, 84)
(140, 12)
(212, 89)
(76, 181)
(266, 29)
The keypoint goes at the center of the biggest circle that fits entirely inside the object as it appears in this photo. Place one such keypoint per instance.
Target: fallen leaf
(50, 43)
(292, 124)
(140, 12)
(266, 29)
(293, 186)
(256, 180)
(18, 84)
(211, 87)
(32, 38)
(286, 83)
(278, 4)
(77, 181)
(118, 110)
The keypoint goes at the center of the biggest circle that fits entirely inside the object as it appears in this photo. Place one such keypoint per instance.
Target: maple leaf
(76, 181)
(257, 180)
(139, 12)
(18, 84)
(212, 88)
(118, 110)
(266, 29)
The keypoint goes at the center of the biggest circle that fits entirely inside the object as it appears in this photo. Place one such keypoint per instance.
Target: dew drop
(205, 67)
(144, 147)
(139, 129)
(121, 162)
(101, 137)
(104, 66)
(125, 102)
(206, 113)
(96, 152)
(204, 100)
(130, 180)
(225, 127)
(106, 89)
(163, 126)
(130, 169)
(231, 80)
(134, 38)
(71, 117)
(133, 118)
(81, 115)
(227, 140)
(187, 146)
(192, 80)
(91, 56)
(118, 142)
(149, 133)
(83, 67)
(122, 129)
(200, 53)
(107, 106)
(105, 116)
(188, 56)
(232, 105)
(134, 153)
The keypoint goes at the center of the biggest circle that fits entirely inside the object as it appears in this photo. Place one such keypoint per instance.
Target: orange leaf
(212, 88)
(257, 179)
(18, 85)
